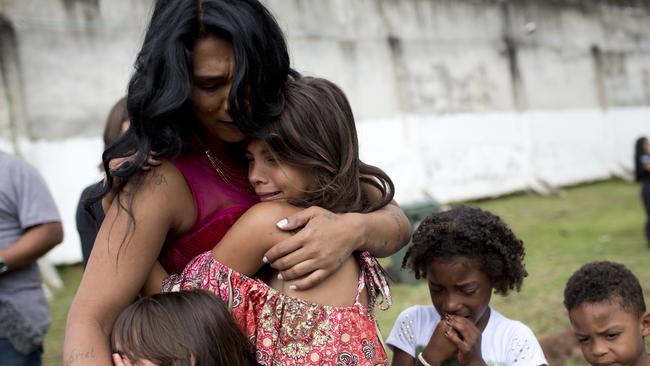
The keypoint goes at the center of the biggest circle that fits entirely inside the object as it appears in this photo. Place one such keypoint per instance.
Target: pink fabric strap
(372, 273)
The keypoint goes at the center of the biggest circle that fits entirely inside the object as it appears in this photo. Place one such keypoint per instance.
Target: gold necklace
(227, 174)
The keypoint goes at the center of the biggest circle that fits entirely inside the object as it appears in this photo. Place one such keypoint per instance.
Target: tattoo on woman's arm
(78, 356)
(159, 179)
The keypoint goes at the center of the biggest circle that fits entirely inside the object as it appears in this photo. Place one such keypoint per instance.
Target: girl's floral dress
(289, 331)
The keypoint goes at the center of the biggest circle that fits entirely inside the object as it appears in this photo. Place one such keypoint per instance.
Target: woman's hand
(464, 334)
(116, 163)
(325, 241)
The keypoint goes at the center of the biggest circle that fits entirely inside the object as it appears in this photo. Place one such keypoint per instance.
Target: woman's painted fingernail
(280, 277)
(265, 260)
(282, 223)
(293, 287)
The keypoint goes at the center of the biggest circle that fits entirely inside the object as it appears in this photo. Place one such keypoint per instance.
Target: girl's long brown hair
(316, 131)
(181, 329)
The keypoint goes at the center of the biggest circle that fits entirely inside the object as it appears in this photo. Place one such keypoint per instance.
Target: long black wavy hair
(157, 102)
(639, 149)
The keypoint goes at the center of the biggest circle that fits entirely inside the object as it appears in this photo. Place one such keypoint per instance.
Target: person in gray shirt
(30, 226)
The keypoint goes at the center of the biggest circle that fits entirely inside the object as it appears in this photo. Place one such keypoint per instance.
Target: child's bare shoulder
(267, 214)
(253, 233)
(260, 222)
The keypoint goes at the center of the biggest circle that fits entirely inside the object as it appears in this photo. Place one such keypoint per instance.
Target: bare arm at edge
(401, 358)
(116, 271)
(33, 244)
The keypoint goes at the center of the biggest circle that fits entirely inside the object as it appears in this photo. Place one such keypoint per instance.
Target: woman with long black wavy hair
(642, 175)
(209, 73)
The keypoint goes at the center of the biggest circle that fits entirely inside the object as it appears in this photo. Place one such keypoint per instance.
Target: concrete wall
(466, 99)
(456, 99)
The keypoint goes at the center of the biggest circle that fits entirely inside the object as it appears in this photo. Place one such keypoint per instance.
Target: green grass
(601, 221)
(71, 276)
(561, 232)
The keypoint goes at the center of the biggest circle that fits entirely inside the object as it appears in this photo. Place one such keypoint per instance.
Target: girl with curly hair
(465, 254)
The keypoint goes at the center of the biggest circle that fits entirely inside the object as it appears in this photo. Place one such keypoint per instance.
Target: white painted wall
(467, 156)
(430, 82)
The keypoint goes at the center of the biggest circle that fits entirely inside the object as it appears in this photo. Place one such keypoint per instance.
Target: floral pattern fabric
(288, 331)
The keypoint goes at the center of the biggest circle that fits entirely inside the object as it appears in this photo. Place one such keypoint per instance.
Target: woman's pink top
(289, 331)
(218, 206)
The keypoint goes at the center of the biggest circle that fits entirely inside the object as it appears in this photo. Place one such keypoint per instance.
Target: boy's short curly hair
(604, 281)
(469, 232)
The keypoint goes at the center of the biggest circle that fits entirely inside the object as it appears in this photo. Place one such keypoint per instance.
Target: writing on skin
(76, 356)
